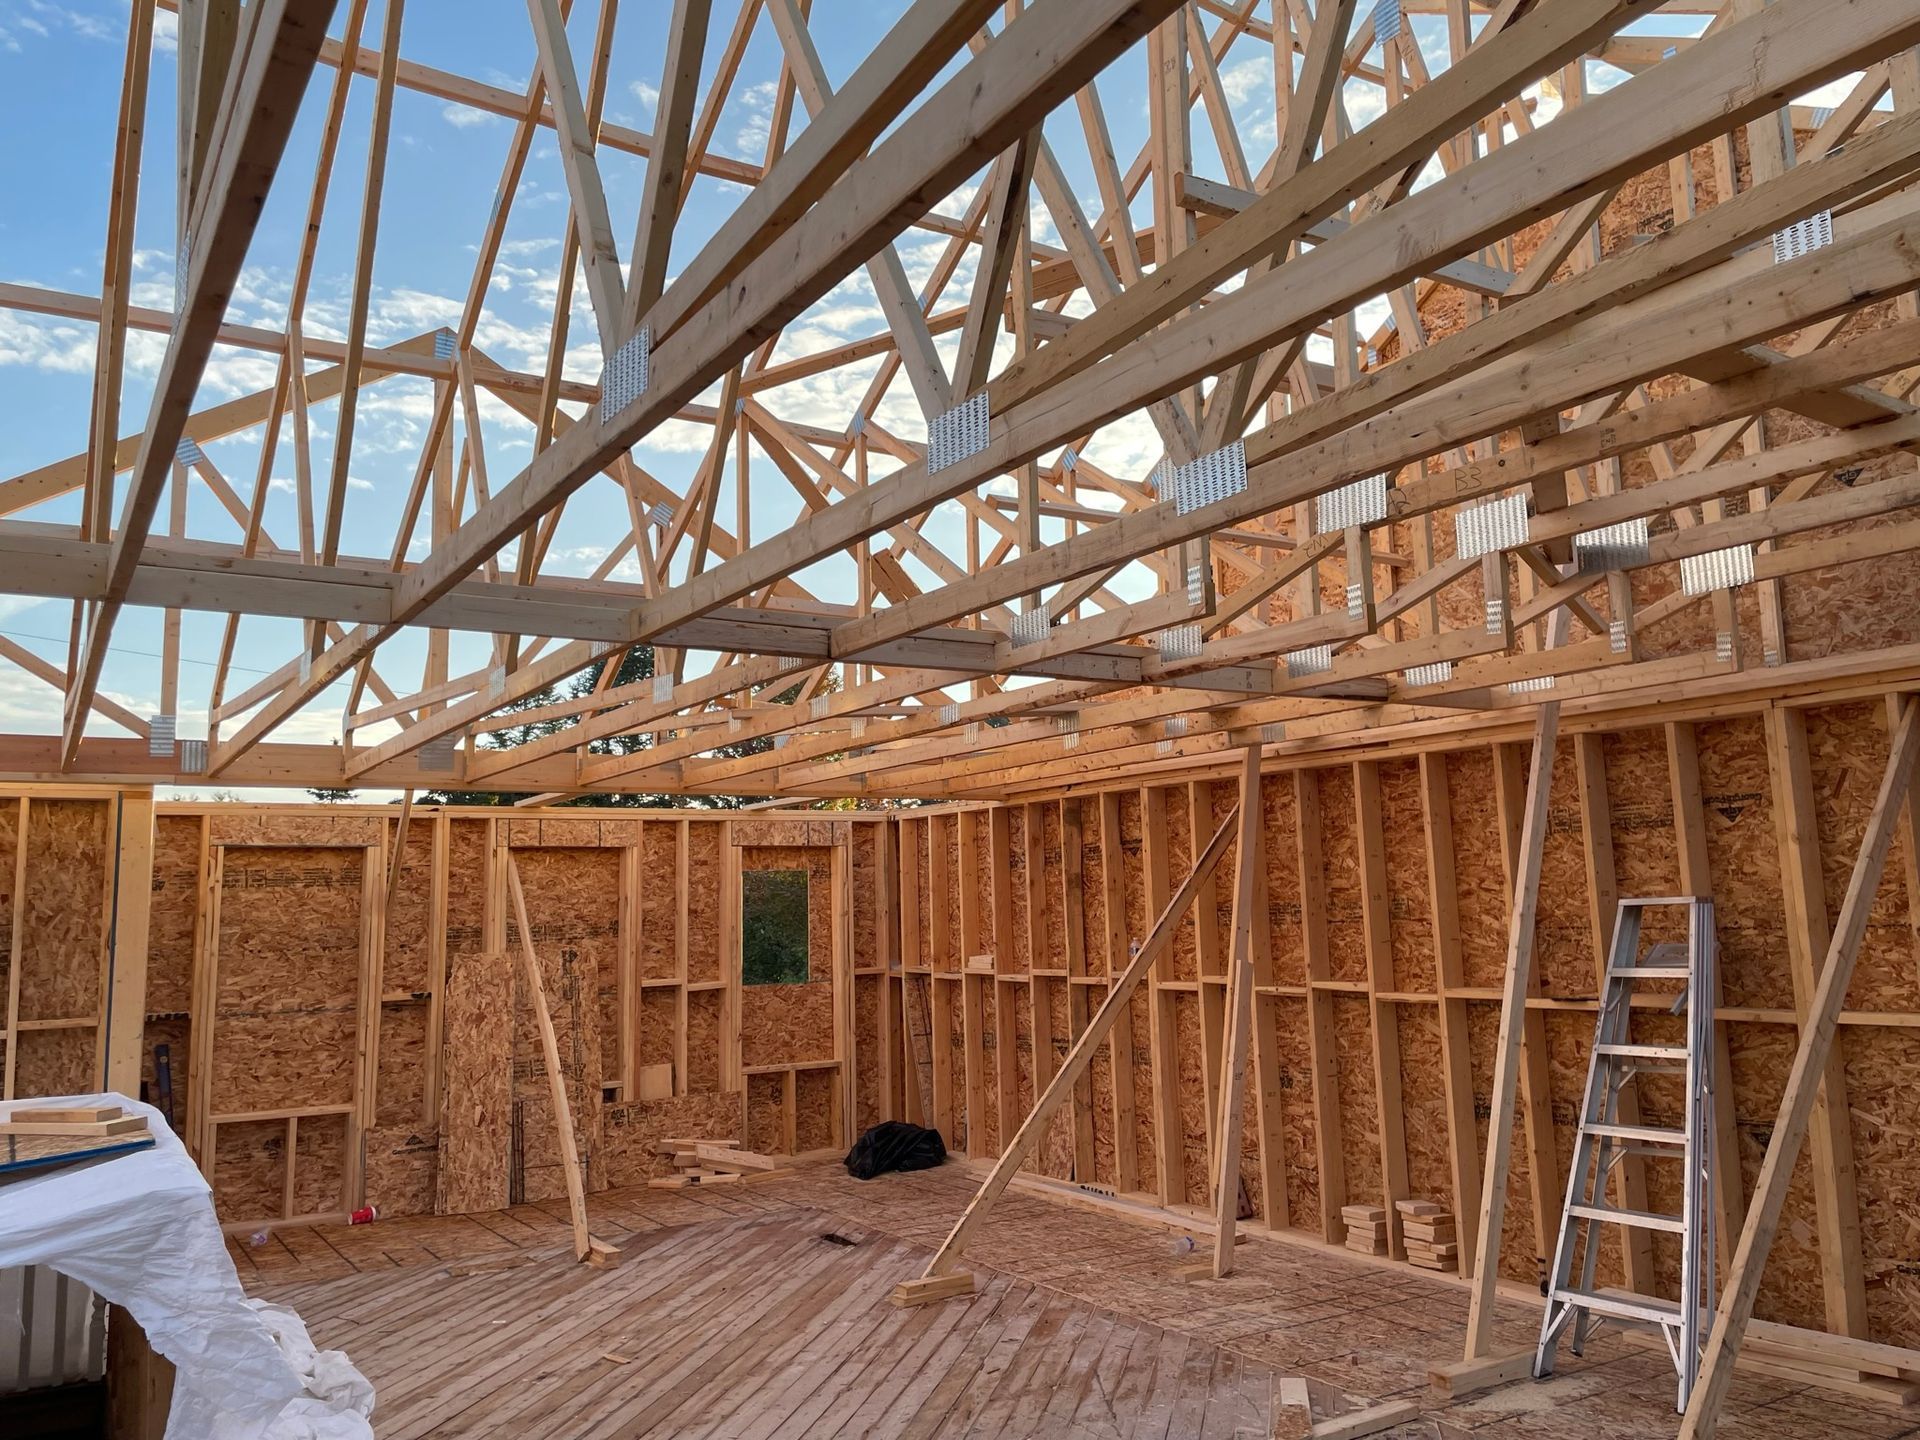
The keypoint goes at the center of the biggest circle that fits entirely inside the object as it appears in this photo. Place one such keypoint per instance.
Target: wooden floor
(733, 1315)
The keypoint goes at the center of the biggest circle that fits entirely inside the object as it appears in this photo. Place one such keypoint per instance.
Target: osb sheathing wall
(1378, 975)
(338, 1032)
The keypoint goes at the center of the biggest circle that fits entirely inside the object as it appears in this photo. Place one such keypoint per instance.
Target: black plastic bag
(895, 1145)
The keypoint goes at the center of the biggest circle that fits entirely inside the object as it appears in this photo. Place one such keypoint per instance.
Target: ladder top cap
(1646, 900)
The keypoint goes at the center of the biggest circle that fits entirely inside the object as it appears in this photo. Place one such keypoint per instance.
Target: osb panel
(1646, 857)
(1058, 1149)
(1340, 872)
(476, 1102)
(1479, 871)
(1146, 1157)
(1054, 955)
(320, 1165)
(814, 1099)
(704, 960)
(1883, 1075)
(866, 1026)
(978, 872)
(410, 914)
(703, 1040)
(401, 1161)
(1177, 838)
(57, 1062)
(1133, 865)
(1569, 1042)
(9, 840)
(1297, 1110)
(1359, 1107)
(293, 828)
(860, 855)
(782, 1024)
(947, 835)
(1518, 1256)
(1847, 755)
(794, 833)
(402, 1090)
(1093, 891)
(660, 889)
(1423, 1098)
(1790, 1287)
(766, 1107)
(1104, 1148)
(1743, 856)
(172, 913)
(1283, 880)
(286, 1016)
(250, 1170)
(467, 885)
(654, 1026)
(818, 863)
(1409, 908)
(633, 1130)
(1563, 935)
(1190, 1057)
(63, 912)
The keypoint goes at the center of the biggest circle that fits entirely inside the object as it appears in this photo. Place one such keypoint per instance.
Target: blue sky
(60, 65)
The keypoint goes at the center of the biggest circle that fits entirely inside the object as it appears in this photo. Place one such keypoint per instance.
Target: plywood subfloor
(732, 1317)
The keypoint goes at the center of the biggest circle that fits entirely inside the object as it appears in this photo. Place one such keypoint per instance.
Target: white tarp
(139, 1230)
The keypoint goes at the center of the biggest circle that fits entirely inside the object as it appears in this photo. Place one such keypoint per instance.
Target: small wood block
(487, 1265)
(1363, 1214)
(602, 1256)
(720, 1157)
(928, 1288)
(654, 1082)
(1468, 1377)
(1370, 1421)
(78, 1130)
(64, 1116)
(1419, 1208)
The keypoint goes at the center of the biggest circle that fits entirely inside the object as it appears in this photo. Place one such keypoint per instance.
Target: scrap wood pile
(1426, 1228)
(714, 1162)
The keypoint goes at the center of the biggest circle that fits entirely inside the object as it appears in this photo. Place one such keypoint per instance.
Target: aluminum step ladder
(1604, 1141)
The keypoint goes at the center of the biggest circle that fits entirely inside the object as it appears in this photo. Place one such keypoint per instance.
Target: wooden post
(126, 1014)
(1803, 1088)
(585, 1247)
(1513, 1003)
(938, 1281)
(1250, 858)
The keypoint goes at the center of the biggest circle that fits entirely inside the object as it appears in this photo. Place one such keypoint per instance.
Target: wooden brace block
(64, 1115)
(1467, 1377)
(601, 1255)
(1370, 1421)
(83, 1130)
(928, 1288)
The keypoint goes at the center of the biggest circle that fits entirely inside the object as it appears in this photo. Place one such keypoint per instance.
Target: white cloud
(465, 117)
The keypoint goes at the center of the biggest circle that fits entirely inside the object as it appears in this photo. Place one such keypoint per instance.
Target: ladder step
(1638, 1219)
(1637, 1134)
(1649, 1308)
(1646, 1052)
(1650, 972)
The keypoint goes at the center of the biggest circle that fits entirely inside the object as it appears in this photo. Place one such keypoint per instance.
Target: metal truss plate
(1438, 673)
(663, 689)
(1196, 586)
(1386, 20)
(1215, 476)
(1496, 615)
(436, 756)
(188, 451)
(1356, 601)
(1717, 570)
(1178, 642)
(1364, 502)
(1617, 636)
(957, 434)
(1030, 627)
(1612, 547)
(1273, 732)
(627, 374)
(1498, 525)
(817, 707)
(1174, 725)
(160, 735)
(443, 344)
(1803, 237)
(661, 515)
(193, 757)
(949, 713)
(1314, 660)
(791, 663)
(1531, 686)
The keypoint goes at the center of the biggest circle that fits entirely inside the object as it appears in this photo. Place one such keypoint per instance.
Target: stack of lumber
(713, 1162)
(1366, 1229)
(41, 1137)
(1428, 1230)
(88, 1122)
